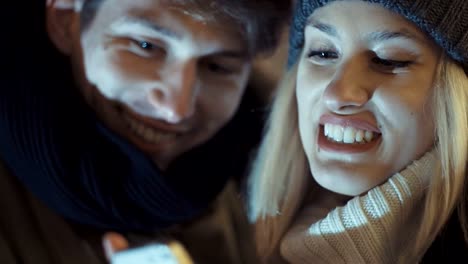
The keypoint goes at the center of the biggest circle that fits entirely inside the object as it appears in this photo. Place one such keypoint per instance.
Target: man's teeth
(348, 135)
(148, 134)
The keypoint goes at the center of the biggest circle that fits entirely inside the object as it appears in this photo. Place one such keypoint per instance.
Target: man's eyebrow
(150, 24)
(325, 28)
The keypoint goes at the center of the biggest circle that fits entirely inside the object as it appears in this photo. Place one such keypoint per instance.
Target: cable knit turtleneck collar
(373, 228)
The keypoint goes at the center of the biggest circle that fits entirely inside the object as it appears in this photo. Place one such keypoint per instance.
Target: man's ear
(62, 21)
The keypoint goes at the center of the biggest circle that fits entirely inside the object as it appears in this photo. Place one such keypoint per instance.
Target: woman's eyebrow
(385, 35)
(378, 36)
(325, 28)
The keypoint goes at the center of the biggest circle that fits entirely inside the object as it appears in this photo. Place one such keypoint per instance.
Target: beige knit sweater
(373, 228)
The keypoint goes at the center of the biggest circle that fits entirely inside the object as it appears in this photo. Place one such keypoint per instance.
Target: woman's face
(364, 86)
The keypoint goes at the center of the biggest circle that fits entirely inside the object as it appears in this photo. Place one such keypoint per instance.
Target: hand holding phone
(118, 251)
(155, 253)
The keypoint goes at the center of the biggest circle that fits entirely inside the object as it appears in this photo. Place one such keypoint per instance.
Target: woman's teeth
(347, 135)
(148, 134)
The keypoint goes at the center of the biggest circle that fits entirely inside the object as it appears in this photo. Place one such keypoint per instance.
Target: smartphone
(154, 253)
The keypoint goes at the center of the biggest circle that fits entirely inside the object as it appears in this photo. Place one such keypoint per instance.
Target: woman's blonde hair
(447, 189)
(280, 173)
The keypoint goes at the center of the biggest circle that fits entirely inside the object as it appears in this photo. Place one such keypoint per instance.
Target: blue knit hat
(446, 21)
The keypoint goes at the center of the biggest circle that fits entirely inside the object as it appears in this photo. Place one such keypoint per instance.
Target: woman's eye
(322, 57)
(390, 64)
(322, 54)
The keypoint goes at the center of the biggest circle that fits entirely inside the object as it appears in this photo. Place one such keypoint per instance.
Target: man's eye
(147, 49)
(218, 68)
(145, 45)
(390, 64)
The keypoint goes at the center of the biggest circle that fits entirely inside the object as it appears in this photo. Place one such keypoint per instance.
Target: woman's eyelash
(391, 63)
(329, 54)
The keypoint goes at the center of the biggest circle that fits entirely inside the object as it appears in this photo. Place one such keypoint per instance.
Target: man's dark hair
(260, 21)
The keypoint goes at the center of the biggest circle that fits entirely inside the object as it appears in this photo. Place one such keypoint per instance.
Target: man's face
(161, 76)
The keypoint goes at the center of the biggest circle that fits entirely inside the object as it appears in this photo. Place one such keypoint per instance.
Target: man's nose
(350, 88)
(175, 100)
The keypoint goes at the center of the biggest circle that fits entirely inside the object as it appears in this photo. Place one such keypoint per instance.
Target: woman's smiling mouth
(347, 134)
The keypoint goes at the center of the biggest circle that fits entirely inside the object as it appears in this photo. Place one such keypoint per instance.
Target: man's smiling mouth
(149, 134)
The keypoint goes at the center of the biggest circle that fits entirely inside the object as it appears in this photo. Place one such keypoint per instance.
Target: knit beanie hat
(446, 21)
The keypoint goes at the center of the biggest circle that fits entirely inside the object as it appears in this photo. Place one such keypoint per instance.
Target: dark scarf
(55, 145)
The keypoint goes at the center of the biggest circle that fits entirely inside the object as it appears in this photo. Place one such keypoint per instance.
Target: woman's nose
(349, 88)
